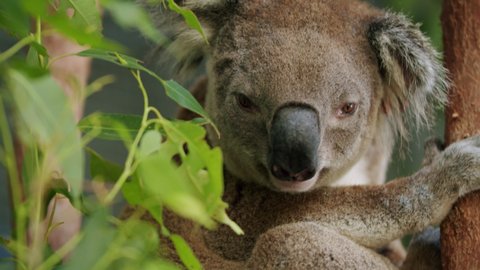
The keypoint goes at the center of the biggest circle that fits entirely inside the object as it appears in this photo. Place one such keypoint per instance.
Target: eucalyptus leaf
(82, 35)
(164, 180)
(83, 27)
(200, 157)
(143, 238)
(134, 193)
(111, 126)
(115, 58)
(160, 265)
(131, 15)
(189, 17)
(174, 90)
(13, 18)
(84, 15)
(184, 98)
(102, 169)
(45, 117)
(149, 144)
(34, 52)
(185, 253)
(37, 8)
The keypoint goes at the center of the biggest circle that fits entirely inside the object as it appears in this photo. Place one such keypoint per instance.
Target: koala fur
(348, 74)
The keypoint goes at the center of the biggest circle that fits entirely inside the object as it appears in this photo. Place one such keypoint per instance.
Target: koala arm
(411, 204)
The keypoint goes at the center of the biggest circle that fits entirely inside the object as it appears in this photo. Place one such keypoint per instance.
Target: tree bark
(460, 242)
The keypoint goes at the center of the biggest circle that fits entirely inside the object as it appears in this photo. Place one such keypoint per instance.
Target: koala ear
(414, 78)
(187, 45)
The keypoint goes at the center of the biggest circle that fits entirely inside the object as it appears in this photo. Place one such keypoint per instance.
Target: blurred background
(124, 97)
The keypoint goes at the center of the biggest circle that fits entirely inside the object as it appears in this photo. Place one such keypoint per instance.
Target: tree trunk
(461, 35)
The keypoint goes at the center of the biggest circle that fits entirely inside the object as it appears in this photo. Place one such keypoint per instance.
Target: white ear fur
(415, 80)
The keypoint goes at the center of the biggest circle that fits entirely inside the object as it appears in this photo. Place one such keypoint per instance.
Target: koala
(310, 97)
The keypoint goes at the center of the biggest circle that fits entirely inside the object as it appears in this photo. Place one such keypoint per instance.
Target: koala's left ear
(413, 74)
(187, 45)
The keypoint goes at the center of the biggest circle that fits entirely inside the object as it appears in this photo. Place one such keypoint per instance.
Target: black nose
(294, 140)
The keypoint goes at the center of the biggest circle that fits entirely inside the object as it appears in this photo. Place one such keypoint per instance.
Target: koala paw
(433, 147)
(460, 163)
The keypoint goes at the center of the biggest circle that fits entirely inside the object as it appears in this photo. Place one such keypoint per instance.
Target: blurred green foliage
(42, 120)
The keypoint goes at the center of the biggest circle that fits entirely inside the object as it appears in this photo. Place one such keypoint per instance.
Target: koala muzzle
(294, 140)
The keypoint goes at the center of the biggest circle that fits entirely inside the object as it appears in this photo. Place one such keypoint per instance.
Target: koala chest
(358, 175)
(256, 211)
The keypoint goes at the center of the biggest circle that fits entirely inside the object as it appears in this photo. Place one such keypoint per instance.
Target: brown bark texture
(460, 242)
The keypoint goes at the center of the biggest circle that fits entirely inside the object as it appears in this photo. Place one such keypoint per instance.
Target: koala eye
(245, 103)
(347, 109)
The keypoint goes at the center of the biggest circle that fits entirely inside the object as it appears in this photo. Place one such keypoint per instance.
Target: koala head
(301, 89)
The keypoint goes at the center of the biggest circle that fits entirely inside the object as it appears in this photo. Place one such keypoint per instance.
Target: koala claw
(469, 147)
(461, 160)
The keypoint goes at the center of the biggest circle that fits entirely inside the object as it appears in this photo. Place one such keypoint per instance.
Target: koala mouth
(296, 186)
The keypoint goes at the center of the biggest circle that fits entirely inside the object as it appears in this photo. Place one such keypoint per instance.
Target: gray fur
(410, 67)
(321, 55)
(187, 46)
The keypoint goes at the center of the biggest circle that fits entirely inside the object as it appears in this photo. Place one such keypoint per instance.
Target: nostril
(283, 174)
(303, 175)
(280, 173)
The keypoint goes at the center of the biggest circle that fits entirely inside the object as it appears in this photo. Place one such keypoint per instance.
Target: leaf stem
(38, 38)
(59, 254)
(16, 47)
(19, 232)
(50, 219)
(56, 58)
(133, 149)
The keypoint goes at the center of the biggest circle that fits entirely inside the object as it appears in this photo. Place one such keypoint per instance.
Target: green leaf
(85, 14)
(184, 98)
(164, 180)
(185, 253)
(189, 17)
(45, 117)
(142, 238)
(83, 36)
(83, 27)
(37, 8)
(200, 157)
(54, 187)
(205, 168)
(159, 265)
(116, 58)
(134, 193)
(131, 15)
(111, 126)
(13, 18)
(222, 217)
(102, 169)
(34, 52)
(149, 144)
(174, 90)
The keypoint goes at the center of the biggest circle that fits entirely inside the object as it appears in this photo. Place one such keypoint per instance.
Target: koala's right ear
(413, 74)
(187, 45)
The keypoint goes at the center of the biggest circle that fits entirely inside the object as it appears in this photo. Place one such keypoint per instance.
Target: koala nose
(285, 174)
(294, 140)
